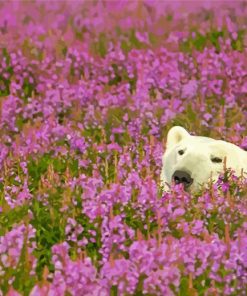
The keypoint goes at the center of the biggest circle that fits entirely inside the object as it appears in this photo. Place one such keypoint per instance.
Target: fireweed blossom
(86, 103)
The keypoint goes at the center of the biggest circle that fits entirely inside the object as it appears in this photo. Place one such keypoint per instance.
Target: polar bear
(193, 160)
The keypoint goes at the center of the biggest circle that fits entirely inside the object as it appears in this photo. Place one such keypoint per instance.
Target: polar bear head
(193, 160)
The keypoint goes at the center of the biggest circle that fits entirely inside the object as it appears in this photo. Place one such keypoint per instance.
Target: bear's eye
(216, 159)
(180, 152)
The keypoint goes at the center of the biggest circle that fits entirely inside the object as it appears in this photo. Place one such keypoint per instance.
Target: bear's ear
(175, 135)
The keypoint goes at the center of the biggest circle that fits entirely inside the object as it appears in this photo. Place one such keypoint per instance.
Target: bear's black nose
(182, 177)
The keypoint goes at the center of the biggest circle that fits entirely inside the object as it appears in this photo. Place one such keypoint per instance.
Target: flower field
(88, 91)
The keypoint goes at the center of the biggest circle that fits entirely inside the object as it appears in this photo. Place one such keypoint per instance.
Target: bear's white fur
(201, 157)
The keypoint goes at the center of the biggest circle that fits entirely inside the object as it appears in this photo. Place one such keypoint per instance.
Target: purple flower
(189, 90)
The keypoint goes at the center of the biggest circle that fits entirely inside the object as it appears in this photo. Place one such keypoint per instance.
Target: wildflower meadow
(88, 92)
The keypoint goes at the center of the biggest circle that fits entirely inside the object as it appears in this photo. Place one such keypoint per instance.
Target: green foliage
(114, 291)
(49, 225)
(38, 167)
(184, 287)
(100, 47)
(11, 217)
(238, 43)
(200, 41)
(5, 82)
(28, 89)
(92, 248)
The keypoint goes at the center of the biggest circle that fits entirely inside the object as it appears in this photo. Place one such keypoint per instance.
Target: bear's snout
(182, 177)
